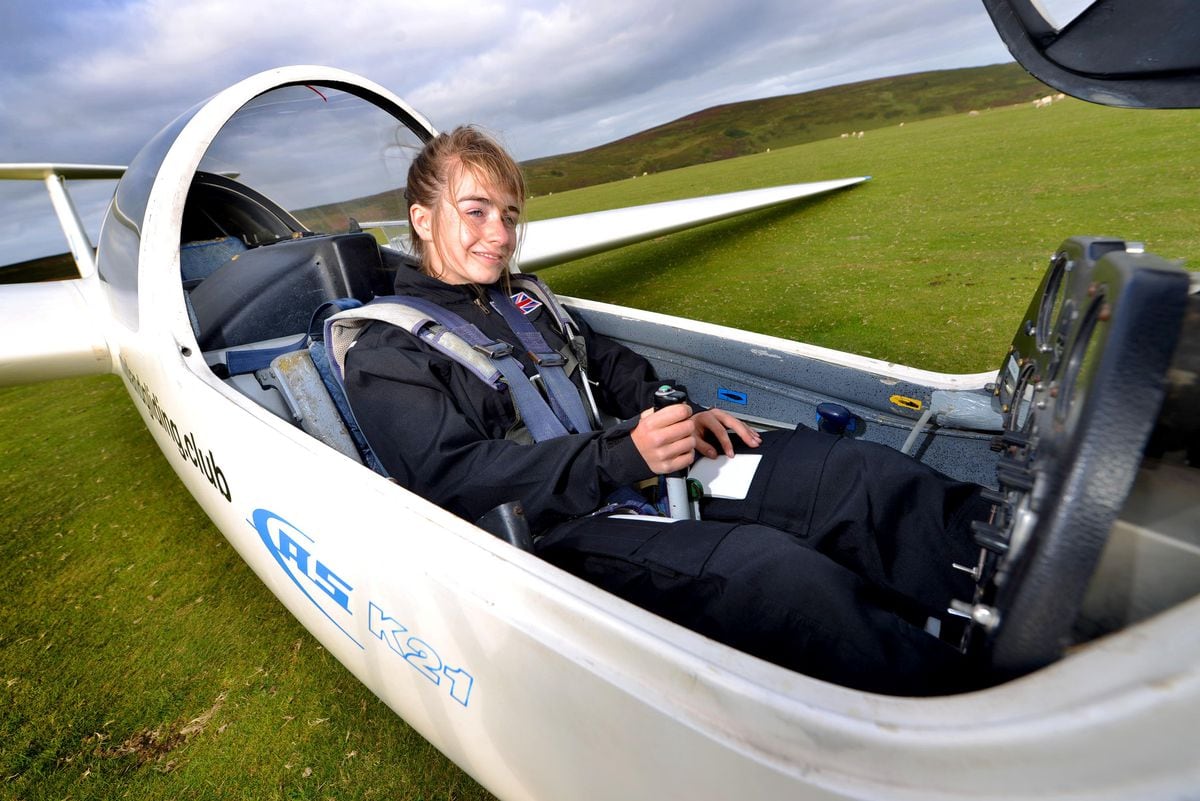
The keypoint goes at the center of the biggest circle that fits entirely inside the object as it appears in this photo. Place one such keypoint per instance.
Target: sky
(93, 80)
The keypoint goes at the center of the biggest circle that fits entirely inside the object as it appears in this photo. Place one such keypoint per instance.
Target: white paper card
(723, 477)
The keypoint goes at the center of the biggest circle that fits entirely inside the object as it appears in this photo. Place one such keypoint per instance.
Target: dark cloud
(758, 50)
(91, 81)
(94, 81)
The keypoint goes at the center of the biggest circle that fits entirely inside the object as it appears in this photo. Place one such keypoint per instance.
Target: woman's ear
(421, 219)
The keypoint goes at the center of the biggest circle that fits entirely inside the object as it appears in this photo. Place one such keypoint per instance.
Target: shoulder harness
(548, 404)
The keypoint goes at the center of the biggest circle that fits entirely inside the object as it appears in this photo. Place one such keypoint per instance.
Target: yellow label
(906, 402)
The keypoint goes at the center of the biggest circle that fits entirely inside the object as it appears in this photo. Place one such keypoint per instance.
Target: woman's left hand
(720, 423)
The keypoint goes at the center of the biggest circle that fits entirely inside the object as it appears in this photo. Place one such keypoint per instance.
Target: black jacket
(441, 432)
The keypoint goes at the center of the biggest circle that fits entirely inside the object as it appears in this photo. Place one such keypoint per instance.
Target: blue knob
(834, 418)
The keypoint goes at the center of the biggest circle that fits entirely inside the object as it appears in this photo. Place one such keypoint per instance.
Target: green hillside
(753, 126)
(933, 261)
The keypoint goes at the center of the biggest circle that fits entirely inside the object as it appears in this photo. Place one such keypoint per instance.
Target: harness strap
(534, 286)
(563, 396)
(570, 329)
(529, 401)
(454, 337)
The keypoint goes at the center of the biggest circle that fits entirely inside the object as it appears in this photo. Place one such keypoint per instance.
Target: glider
(243, 215)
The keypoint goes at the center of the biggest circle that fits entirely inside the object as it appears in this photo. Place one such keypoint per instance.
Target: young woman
(831, 565)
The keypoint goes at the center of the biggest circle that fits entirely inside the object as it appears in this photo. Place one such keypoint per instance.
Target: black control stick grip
(667, 395)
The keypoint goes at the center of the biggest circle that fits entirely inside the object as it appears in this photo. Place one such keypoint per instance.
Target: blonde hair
(443, 161)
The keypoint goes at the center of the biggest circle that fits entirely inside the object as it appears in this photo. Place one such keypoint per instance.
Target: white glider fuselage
(536, 683)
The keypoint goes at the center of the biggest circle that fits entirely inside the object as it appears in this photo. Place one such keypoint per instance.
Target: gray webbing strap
(452, 336)
(563, 396)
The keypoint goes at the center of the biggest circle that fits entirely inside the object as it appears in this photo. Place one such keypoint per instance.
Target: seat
(199, 260)
(317, 402)
(270, 291)
(308, 399)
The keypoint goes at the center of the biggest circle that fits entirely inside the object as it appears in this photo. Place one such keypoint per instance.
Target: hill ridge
(743, 127)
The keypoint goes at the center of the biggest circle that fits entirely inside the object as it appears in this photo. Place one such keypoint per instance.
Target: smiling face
(470, 232)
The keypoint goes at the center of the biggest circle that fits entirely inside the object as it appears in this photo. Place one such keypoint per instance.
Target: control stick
(679, 506)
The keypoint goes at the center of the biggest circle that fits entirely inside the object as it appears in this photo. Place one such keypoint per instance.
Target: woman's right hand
(666, 438)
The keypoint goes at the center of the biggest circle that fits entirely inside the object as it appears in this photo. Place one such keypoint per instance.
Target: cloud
(91, 81)
(94, 81)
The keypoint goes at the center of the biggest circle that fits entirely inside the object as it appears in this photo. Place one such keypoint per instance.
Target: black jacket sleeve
(626, 381)
(440, 431)
(623, 382)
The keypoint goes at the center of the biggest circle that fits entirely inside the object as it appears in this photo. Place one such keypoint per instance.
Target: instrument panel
(1079, 392)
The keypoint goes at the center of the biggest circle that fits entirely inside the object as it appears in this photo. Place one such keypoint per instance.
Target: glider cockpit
(269, 230)
(1058, 435)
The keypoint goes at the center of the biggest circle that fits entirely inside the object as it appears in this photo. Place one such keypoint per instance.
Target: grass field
(933, 261)
(140, 658)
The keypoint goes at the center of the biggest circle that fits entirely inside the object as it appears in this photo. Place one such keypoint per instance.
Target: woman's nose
(496, 230)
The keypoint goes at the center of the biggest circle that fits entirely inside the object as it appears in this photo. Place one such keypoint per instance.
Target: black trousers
(830, 566)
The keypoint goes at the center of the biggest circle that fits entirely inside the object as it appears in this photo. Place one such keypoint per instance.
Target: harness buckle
(551, 359)
(494, 350)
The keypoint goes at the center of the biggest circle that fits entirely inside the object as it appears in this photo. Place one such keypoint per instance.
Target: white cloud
(92, 82)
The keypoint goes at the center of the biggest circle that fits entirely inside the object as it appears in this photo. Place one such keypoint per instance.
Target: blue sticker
(732, 396)
(293, 551)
